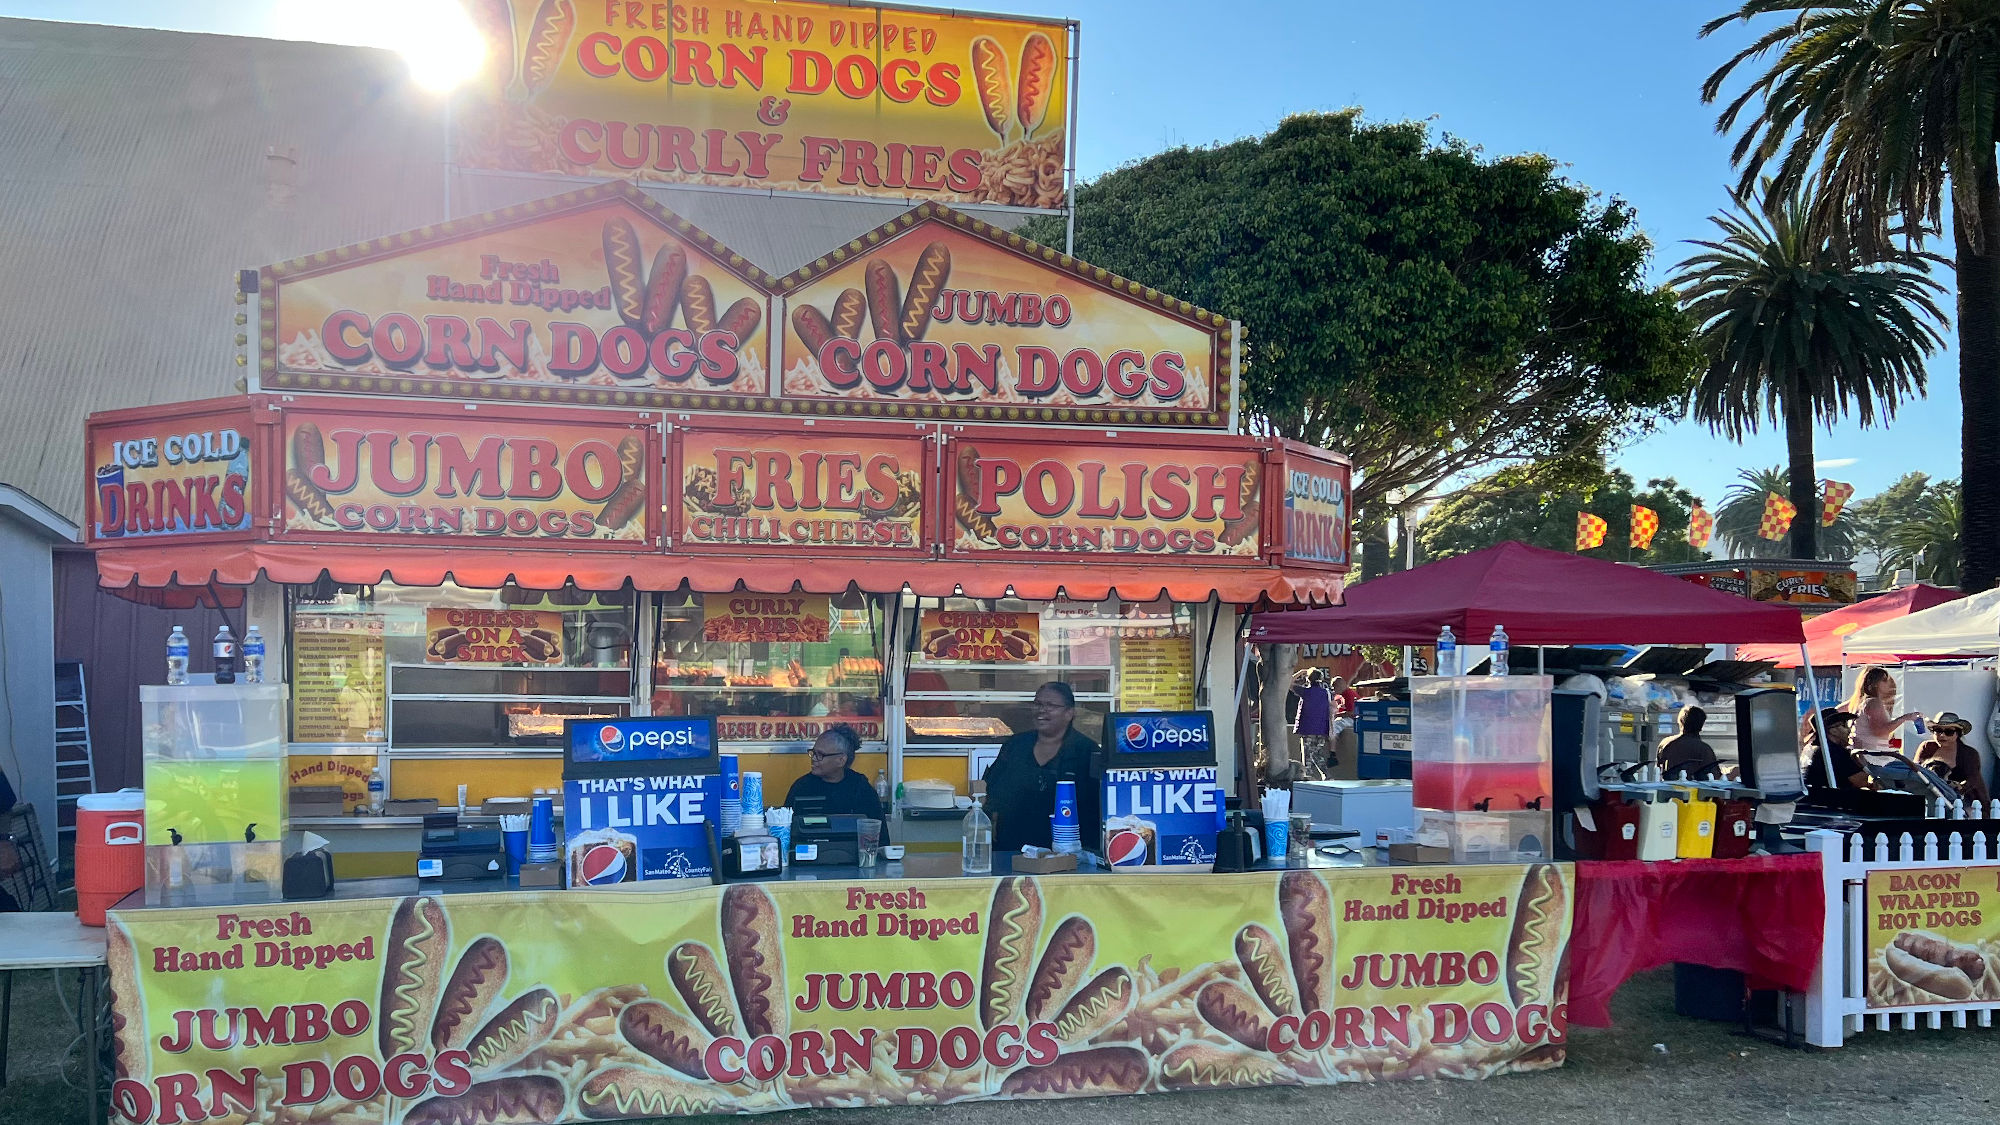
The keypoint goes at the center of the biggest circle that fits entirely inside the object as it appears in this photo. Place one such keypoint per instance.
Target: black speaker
(1767, 743)
(1576, 741)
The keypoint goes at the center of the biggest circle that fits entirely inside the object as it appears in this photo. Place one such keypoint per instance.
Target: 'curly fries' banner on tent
(600, 1005)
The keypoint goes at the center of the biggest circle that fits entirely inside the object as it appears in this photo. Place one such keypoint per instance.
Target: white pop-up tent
(1966, 627)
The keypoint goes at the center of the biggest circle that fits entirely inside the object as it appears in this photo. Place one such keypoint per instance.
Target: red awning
(137, 569)
(1542, 597)
(1826, 632)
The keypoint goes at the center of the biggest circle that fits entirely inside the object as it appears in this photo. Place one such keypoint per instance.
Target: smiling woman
(435, 37)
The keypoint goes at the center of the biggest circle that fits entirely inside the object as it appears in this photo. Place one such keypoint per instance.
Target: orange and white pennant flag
(1590, 531)
(1832, 501)
(1645, 524)
(1778, 513)
(1700, 526)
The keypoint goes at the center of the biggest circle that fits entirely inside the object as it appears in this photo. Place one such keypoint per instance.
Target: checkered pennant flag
(1778, 513)
(1590, 531)
(1645, 525)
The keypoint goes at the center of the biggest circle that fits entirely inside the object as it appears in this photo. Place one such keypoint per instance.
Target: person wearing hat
(1847, 773)
(1948, 753)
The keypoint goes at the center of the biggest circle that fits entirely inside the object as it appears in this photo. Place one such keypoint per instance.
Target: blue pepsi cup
(1065, 803)
(542, 823)
(753, 794)
(732, 778)
(517, 850)
(1277, 837)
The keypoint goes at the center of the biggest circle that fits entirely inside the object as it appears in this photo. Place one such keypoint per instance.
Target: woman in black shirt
(844, 790)
(1021, 782)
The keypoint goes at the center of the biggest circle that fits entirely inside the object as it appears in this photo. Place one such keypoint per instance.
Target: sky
(1609, 88)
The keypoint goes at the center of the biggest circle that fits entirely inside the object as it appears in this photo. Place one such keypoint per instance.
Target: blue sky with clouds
(1610, 88)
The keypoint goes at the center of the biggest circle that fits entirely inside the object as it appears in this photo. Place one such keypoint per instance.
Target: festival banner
(1803, 587)
(1728, 581)
(600, 296)
(171, 473)
(580, 479)
(773, 95)
(829, 488)
(1040, 497)
(493, 636)
(1933, 936)
(937, 314)
(1316, 529)
(953, 636)
(762, 619)
(755, 997)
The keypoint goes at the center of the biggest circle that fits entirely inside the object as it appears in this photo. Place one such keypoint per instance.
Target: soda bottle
(1447, 653)
(1497, 651)
(177, 657)
(882, 788)
(253, 656)
(375, 789)
(976, 843)
(225, 656)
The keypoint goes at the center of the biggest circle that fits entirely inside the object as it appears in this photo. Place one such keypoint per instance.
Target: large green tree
(1740, 518)
(1876, 517)
(1891, 108)
(1507, 506)
(1425, 310)
(1923, 534)
(1801, 329)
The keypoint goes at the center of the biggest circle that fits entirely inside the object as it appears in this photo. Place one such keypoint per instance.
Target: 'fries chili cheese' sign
(826, 490)
(492, 636)
(488, 479)
(601, 296)
(786, 95)
(945, 316)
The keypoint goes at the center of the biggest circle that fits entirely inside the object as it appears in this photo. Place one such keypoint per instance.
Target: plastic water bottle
(253, 656)
(1447, 653)
(882, 788)
(225, 656)
(976, 844)
(1497, 649)
(375, 790)
(177, 657)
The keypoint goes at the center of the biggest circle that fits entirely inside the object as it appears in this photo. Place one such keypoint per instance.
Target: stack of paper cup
(1065, 831)
(1277, 823)
(751, 824)
(753, 794)
(779, 821)
(543, 847)
(730, 809)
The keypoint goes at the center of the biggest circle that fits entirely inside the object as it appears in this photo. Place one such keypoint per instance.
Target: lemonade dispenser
(216, 805)
(1481, 745)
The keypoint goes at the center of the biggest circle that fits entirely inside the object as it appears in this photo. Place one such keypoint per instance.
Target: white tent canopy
(1968, 626)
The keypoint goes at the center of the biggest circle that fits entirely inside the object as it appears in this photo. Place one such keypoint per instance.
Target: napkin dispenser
(309, 874)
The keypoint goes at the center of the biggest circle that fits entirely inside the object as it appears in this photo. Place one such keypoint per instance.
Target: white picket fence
(1837, 1005)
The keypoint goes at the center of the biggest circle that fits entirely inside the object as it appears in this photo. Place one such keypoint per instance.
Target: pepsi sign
(1143, 739)
(611, 747)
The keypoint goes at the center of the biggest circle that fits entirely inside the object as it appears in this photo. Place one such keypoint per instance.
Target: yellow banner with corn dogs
(846, 99)
(601, 1005)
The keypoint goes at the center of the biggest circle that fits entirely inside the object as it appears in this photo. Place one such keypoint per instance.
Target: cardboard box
(1042, 865)
(1418, 853)
(414, 806)
(541, 875)
(317, 800)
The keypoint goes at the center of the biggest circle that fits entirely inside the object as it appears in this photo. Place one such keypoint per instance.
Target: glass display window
(770, 668)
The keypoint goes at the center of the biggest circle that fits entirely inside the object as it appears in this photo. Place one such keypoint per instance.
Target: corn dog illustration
(742, 319)
(848, 310)
(989, 74)
(926, 282)
(1037, 82)
(663, 289)
(811, 325)
(548, 38)
(885, 304)
(621, 262)
(308, 453)
(698, 304)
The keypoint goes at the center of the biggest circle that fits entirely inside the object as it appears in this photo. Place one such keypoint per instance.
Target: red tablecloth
(1760, 915)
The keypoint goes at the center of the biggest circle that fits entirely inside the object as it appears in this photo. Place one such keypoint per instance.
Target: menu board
(1156, 674)
(338, 686)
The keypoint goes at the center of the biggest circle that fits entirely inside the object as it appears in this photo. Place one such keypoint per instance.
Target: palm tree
(1742, 513)
(1800, 329)
(1927, 538)
(1888, 107)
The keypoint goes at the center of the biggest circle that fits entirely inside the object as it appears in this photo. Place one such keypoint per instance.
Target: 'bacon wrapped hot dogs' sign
(1044, 497)
(773, 94)
(487, 477)
(945, 316)
(594, 1005)
(600, 296)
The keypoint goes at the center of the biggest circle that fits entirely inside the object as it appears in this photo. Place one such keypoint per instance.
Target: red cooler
(110, 851)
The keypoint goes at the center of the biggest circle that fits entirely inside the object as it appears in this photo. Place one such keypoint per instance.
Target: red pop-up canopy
(1825, 633)
(1542, 597)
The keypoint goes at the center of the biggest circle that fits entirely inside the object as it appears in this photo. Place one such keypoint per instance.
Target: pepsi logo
(1126, 849)
(611, 737)
(602, 864)
(1135, 735)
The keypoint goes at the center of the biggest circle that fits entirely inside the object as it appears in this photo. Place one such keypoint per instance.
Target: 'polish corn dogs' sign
(1038, 497)
(941, 315)
(786, 95)
(600, 296)
(826, 489)
(597, 1005)
(492, 476)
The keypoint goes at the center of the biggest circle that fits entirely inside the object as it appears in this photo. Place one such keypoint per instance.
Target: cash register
(449, 852)
(824, 839)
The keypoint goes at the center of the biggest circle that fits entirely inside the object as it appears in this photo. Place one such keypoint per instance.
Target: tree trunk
(1979, 387)
(1280, 661)
(1804, 480)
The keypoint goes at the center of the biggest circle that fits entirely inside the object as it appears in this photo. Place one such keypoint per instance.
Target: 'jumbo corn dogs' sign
(941, 315)
(491, 476)
(599, 296)
(760, 997)
(786, 95)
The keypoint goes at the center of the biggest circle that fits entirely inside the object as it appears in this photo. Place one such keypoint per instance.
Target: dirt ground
(1706, 1074)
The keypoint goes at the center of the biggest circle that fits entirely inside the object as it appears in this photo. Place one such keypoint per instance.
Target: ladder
(76, 767)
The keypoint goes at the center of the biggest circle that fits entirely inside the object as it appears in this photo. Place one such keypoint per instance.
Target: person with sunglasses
(1957, 760)
(1021, 782)
(844, 791)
